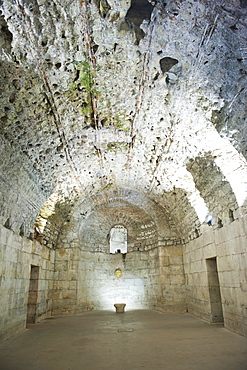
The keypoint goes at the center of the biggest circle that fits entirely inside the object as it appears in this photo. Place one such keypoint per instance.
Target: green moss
(85, 110)
(121, 126)
(120, 123)
(116, 146)
(108, 186)
(86, 78)
(82, 91)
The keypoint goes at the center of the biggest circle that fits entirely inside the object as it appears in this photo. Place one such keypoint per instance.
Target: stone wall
(151, 271)
(151, 279)
(17, 254)
(22, 193)
(228, 245)
(171, 277)
(98, 286)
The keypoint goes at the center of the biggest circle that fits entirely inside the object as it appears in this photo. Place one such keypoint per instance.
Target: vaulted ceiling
(123, 107)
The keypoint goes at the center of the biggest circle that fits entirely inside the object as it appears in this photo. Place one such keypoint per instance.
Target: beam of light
(232, 164)
(131, 291)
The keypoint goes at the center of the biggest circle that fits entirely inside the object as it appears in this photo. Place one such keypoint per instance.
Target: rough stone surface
(229, 245)
(17, 255)
(112, 115)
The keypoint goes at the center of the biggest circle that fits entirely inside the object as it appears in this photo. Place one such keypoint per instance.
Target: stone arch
(142, 229)
(213, 186)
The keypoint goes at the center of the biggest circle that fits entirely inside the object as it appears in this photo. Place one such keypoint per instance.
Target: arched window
(118, 239)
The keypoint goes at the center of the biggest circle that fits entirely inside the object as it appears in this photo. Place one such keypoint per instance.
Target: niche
(33, 295)
(214, 290)
(118, 239)
(231, 215)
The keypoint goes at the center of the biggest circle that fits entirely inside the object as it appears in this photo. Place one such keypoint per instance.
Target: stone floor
(124, 341)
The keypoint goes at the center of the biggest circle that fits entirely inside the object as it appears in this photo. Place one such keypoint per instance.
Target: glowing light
(121, 291)
(232, 164)
(182, 178)
(199, 205)
(118, 239)
(46, 211)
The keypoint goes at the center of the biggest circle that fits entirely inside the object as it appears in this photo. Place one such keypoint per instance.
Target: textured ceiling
(147, 100)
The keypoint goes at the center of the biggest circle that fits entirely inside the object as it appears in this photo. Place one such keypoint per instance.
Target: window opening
(118, 239)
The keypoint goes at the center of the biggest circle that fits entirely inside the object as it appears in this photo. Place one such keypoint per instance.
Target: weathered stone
(132, 114)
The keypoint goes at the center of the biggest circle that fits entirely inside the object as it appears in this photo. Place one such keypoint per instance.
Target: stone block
(243, 275)
(138, 282)
(72, 275)
(62, 266)
(235, 229)
(244, 223)
(36, 248)
(35, 259)
(153, 253)
(228, 263)
(26, 245)
(208, 237)
(235, 326)
(209, 251)
(23, 257)
(242, 298)
(43, 264)
(9, 237)
(3, 256)
(12, 254)
(73, 265)
(239, 245)
(73, 285)
(175, 251)
(176, 260)
(62, 254)
(144, 256)
(221, 235)
(198, 266)
(164, 261)
(243, 287)
(70, 294)
(232, 312)
(229, 279)
(3, 235)
(177, 279)
(52, 254)
(176, 270)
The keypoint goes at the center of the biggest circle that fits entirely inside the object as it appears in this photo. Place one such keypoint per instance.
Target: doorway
(33, 295)
(214, 291)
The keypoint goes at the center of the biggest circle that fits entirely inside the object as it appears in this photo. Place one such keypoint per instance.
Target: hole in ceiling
(167, 63)
(138, 11)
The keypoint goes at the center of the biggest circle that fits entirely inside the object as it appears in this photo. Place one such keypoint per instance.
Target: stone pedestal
(119, 307)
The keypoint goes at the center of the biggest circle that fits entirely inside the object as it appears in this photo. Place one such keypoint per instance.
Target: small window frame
(118, 239)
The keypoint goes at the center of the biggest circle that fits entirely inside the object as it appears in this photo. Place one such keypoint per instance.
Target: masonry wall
(100, 288)
(171, 277)
(17, 254)
(86, 273)
(229, 245)
(152, 279)
(94, 284)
